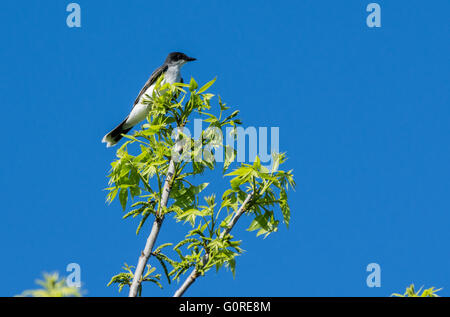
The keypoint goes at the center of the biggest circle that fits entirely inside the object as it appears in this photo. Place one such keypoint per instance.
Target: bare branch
(187, 283)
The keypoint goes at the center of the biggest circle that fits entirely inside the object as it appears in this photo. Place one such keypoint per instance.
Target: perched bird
(171, 71)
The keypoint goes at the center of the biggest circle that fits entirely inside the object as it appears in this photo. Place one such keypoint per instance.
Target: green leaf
(276, 162)
(185, 198)
(231, 116)
(257, 223)
(284, 206)
(206, 86)
(123, 197)
(230, 155)
(257, 164)
(193, 84)
(144, 218)
(232, 264)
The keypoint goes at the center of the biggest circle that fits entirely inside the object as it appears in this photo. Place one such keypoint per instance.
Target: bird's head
(177, 58)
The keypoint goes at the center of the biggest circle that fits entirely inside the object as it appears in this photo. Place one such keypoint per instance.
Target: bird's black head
(178, 58)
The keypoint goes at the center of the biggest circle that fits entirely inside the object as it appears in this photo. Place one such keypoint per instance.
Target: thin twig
(194, 274)
(145, 254)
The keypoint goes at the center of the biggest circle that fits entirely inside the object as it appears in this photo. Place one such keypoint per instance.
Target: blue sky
(363, 116)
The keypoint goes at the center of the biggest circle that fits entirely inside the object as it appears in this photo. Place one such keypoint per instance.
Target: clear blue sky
(364, 115)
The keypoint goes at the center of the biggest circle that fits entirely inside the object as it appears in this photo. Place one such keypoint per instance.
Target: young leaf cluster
(411, 292)
(124, 278)
(52, 286)
(256, 191)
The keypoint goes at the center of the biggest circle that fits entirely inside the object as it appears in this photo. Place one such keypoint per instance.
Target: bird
(171, 69)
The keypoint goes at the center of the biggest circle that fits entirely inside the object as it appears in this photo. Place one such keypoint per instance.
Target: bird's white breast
(173, 74)
(140, 111)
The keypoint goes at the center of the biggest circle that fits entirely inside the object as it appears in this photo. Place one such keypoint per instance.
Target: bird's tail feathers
(115, 135)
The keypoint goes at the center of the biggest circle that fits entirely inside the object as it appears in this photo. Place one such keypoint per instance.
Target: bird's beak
(191, 59)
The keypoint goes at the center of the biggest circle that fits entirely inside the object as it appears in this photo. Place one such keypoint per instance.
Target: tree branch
(148, 249)
(193, 276)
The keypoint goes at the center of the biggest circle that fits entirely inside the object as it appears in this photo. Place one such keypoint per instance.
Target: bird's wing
(153, 78)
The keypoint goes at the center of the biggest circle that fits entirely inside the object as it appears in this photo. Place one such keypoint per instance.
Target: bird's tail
(115, 135)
